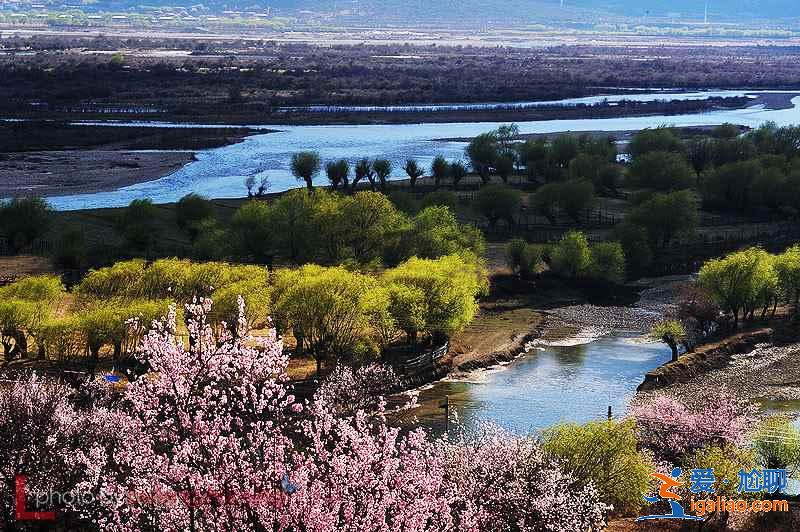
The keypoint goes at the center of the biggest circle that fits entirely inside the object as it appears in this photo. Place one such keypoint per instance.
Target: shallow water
(220, 172)
(548, 385)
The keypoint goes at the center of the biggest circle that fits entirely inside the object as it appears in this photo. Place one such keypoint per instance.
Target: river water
(547, 385)
(220, 172)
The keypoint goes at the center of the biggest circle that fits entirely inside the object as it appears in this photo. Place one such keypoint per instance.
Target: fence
(38, 247)
(411, 370)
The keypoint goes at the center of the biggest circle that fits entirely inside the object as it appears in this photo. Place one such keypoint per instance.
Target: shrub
(23, 220)
(608, 262)
(523, 258)
(191, 210)
(726, 461)
(441, 198)
(661, 171)
(777, 443)
(572, 257)
(667, 216)
(136, 224)
(603, 454)
(252, 233)
(635, 244)
(498, 202)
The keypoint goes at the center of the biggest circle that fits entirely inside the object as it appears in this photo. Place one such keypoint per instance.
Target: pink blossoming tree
(671, 429)
(212, 439)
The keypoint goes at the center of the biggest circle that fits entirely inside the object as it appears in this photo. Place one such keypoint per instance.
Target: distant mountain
(472, 11)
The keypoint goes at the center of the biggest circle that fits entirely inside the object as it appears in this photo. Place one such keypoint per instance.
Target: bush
(574, 198)
(608, 262)
(136, 224)
(252, 232)
(498, 202)
(661, 139)
(71, 251)
(523, 258)
(603, 454)
(777, 443)
(661, 171)
(666, 216)
(572, 257)
(404, 202)
(191, 210)
(440, 198)
(23, 220)
(635, 244)
(726, 461)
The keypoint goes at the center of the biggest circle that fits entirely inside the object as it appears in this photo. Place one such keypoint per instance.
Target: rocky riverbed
(767, 375)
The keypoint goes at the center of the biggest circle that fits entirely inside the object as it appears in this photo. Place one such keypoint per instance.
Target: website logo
(704, 481)
(22, 512)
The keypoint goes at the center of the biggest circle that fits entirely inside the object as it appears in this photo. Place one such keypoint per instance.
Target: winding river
(220, 172)
(547, 385)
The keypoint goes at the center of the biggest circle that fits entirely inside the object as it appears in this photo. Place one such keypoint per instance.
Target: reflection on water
(548, 385)
(220, 172)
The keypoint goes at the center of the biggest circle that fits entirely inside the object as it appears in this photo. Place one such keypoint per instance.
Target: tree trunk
(673, 346)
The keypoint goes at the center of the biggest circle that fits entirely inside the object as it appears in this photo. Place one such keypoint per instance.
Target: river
(545, 386)
(220, 172)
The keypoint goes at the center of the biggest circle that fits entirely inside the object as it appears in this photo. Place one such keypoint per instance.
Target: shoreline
(68, 159)
(574, 324)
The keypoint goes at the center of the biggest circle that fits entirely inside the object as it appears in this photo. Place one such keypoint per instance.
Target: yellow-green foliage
(741, 282)
(726, 462)
(324, 307)
(46, 289)
(256, 294)
(449, 284)
(787, 266)
(603, 453)
(120, 280)
(777, 443)
(671, 330)
(25, 305)
(117, 323)
(63, 338)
